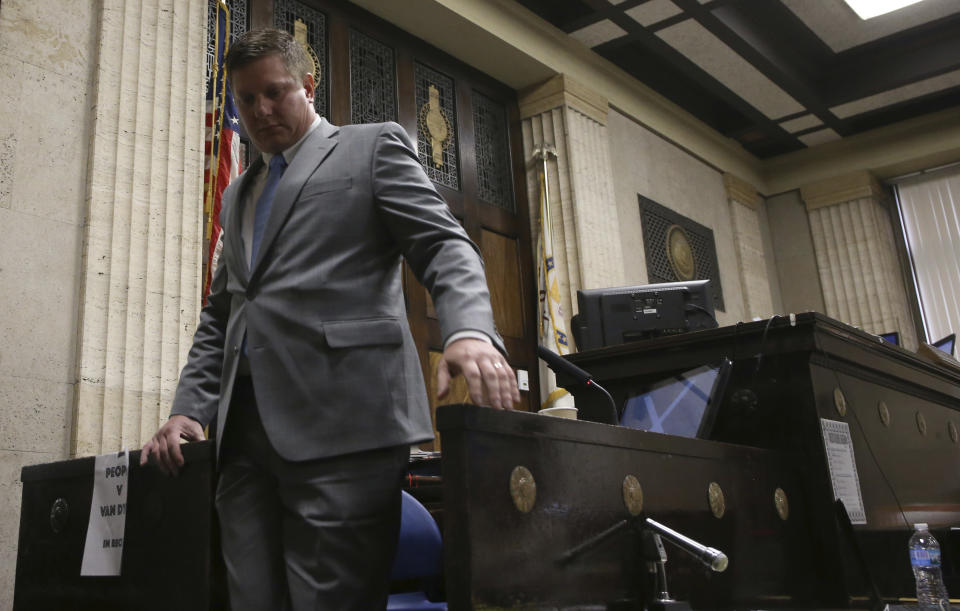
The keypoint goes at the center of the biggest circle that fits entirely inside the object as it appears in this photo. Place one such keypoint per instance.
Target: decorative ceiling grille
(660, 225)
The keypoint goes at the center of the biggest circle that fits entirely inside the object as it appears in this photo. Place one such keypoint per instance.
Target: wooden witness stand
(788, 547)
(520, 490)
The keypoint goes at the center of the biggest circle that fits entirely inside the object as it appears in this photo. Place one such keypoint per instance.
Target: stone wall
(47, 53)
(646, 164)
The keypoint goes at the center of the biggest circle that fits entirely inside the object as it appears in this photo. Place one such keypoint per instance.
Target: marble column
(856, 255)
(745, 207)
(583, 211)
(46, 61)
(142, 245)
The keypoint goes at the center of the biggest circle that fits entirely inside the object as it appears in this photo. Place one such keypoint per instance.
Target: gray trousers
(313, 535)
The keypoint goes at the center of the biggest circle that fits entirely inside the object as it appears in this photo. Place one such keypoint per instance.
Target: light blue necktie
(277, 165)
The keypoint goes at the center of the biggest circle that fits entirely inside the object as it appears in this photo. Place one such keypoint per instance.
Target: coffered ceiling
(777, 75)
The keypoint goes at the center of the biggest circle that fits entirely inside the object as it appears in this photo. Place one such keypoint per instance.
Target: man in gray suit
(303, 353)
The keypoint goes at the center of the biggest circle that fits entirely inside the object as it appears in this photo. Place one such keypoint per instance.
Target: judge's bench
(540, 512)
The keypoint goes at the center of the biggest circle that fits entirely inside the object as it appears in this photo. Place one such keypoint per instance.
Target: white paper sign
(843, 468)
(103, 549)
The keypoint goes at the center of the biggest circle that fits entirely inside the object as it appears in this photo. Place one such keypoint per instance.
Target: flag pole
(216, 123)
(544, 152)
(552, 330)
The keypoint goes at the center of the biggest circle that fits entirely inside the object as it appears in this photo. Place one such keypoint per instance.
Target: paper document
(103, 549)
(843, 468)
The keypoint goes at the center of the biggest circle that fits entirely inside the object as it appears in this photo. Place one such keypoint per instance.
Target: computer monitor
(685, 404)
(947, 344)
(618, 315)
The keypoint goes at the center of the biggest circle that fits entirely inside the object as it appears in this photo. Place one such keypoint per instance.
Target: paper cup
(560, 412)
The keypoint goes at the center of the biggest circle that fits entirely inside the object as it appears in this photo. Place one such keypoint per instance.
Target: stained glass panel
(492, 148)
(373, 90)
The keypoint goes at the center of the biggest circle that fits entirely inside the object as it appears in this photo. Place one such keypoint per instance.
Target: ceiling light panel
(868, 9)
(841, 29)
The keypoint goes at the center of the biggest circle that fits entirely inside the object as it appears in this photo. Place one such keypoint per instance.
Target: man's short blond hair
(257, 44)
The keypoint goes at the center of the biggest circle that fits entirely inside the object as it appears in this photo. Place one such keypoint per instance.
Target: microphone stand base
(669, 605)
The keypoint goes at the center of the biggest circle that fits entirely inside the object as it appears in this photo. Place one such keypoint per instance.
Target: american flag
(222, 149)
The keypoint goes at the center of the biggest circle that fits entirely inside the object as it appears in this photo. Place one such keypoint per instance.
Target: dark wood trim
(261, 14)
(339, 69)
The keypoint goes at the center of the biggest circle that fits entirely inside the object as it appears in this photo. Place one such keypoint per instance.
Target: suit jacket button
(236, 349)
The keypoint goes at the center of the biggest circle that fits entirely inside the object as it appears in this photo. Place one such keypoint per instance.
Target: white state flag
(553, 331)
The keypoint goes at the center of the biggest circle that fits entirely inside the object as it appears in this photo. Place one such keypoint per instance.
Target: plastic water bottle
(925, 559)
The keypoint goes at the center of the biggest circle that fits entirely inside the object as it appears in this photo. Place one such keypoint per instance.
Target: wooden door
(467, 130)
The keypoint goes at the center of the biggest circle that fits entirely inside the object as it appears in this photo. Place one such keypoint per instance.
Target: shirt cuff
(467, 333)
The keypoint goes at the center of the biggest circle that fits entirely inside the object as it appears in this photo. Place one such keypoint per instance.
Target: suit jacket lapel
(234, 237)
(312, 153)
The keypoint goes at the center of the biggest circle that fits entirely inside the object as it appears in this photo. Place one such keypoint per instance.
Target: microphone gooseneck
(558, 364)
(709, 556)
(561, 365)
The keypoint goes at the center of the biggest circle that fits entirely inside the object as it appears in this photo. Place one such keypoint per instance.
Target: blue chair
(419, 557)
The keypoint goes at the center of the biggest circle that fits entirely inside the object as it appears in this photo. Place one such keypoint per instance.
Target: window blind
(929, 206)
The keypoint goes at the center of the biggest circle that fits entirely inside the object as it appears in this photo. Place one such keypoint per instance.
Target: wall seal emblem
(679, 253)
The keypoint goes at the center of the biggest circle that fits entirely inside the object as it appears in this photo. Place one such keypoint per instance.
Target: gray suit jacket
(334, 366)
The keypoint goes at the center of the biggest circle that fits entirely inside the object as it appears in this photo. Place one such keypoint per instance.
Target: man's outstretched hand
(165, 443)
(490, 379)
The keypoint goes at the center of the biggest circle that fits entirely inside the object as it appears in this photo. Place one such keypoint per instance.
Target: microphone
(711, 557)
(561, 365)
